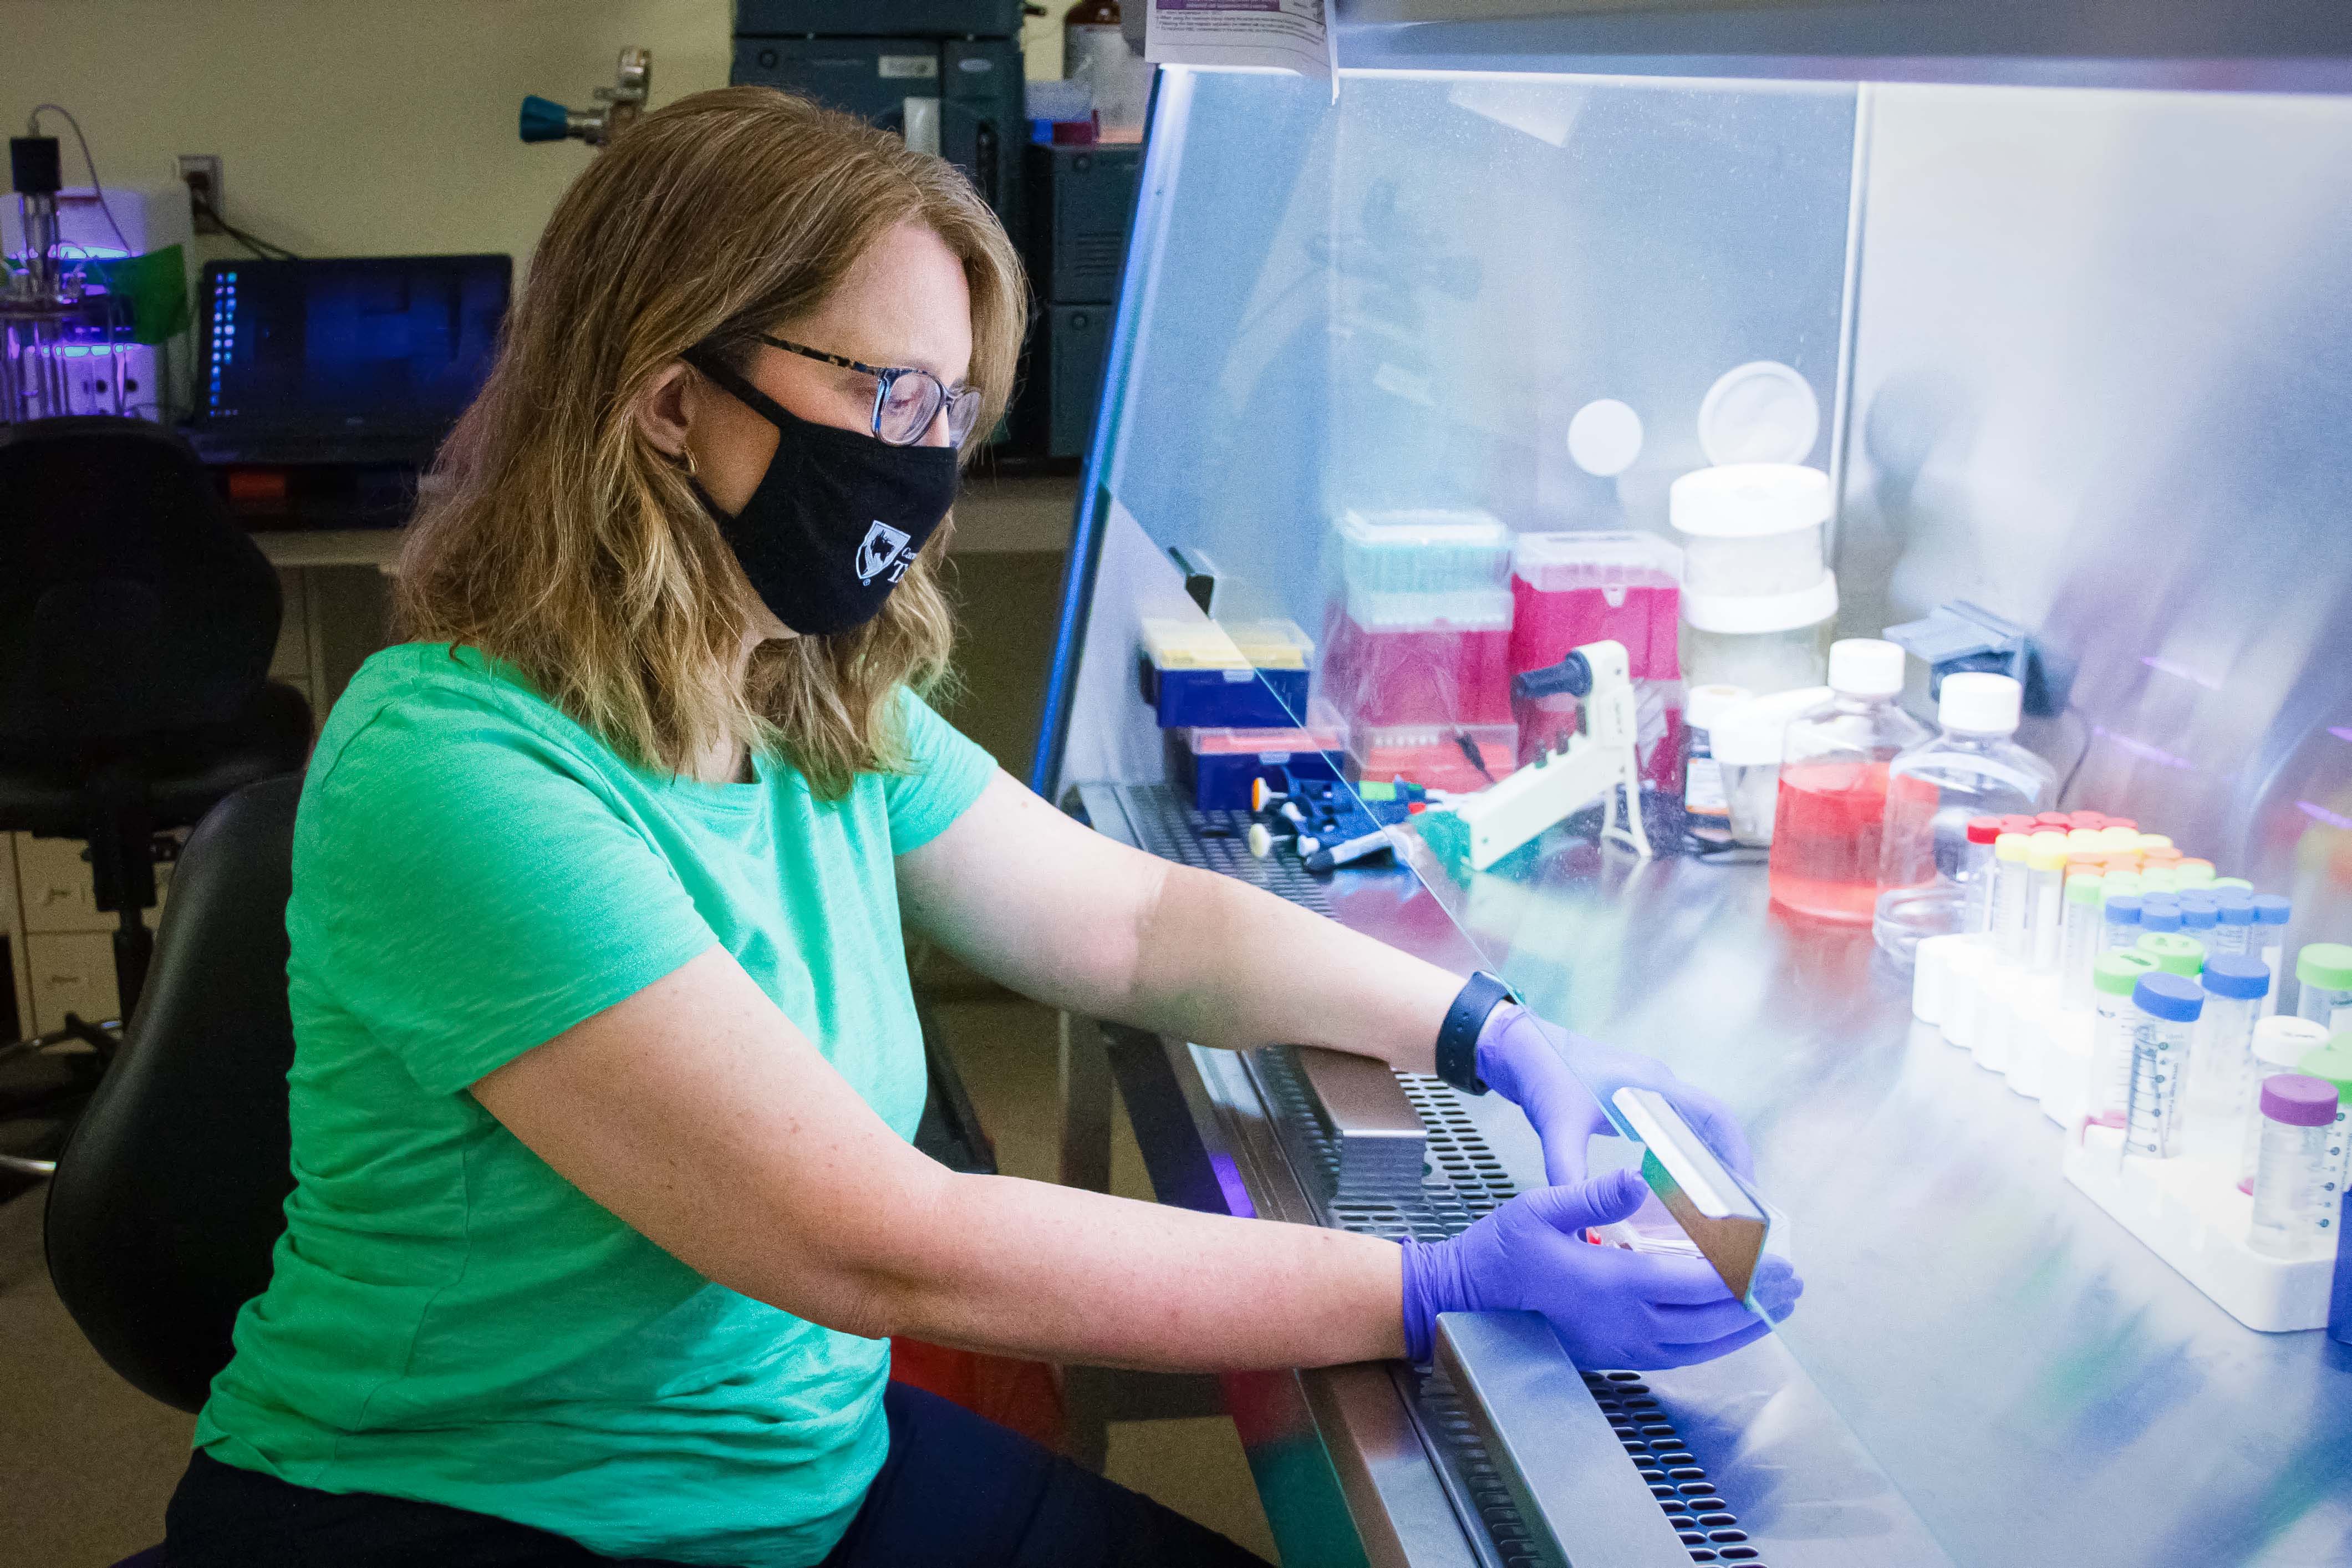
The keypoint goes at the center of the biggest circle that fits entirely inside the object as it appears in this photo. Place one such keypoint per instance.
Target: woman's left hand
(1560, 1080)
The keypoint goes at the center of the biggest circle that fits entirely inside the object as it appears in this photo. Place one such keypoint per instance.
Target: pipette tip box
(1216, 767)
(1211, 675)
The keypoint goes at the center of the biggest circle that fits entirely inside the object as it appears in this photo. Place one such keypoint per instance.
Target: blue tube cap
(2235, 909)
(2195, 917)
(2153, 916)
(2236, 976)
(2270, 910)
(2192, 899)
(2173, 997)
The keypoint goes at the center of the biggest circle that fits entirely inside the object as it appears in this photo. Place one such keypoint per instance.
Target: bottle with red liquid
(1832, 808)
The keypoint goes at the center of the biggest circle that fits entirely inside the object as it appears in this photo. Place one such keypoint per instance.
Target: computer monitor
(389, 346)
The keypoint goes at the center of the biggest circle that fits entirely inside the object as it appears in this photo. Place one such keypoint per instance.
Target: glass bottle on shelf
(1832, 808)
(1094, 51)
(1972, 768)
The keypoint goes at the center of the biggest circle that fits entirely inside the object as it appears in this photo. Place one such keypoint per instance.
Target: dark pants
(956, 1491)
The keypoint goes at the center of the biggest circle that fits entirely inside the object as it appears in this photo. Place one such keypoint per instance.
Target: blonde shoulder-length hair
(556, 537)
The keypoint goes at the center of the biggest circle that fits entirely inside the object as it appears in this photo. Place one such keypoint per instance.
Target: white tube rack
(2187, 1210)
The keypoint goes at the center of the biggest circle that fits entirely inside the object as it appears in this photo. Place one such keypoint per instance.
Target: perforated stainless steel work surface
(1215, 841)
(1462, 1183)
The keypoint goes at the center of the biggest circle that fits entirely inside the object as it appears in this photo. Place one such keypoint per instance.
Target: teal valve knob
(544, 119)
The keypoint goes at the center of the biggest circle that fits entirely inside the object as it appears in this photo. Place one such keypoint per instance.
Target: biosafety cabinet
(2055, 304)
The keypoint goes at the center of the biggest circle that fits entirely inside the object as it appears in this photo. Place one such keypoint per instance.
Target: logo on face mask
(884, 549)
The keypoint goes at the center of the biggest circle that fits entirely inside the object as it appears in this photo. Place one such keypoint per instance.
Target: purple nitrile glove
(1611, 1308)
(1558, 1078)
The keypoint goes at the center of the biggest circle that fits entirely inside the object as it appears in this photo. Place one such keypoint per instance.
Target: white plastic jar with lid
(1747, 738)
(1750, 530)
(1703, 794)
(1775, 642)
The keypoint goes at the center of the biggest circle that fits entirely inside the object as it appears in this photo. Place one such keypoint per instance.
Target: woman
(606, 1061)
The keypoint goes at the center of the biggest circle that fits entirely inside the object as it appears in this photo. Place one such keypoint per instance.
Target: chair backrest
(130, 601)
(171, 1193)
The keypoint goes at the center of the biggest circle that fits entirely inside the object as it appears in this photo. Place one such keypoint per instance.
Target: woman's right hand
(1613, 1309)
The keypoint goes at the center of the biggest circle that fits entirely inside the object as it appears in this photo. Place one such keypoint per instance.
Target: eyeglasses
(906, 401)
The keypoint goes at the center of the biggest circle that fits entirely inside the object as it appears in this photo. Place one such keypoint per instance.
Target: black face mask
(837, 518)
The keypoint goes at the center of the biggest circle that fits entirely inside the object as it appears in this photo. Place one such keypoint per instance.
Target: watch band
(1457, 1037)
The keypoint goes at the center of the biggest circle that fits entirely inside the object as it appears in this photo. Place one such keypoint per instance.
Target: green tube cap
(2175, 953)
(2117, 972)
(2085, 890)
(2327, 965)
(2332, 1061)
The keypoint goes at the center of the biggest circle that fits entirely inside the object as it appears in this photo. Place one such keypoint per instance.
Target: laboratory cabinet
(2060, 329)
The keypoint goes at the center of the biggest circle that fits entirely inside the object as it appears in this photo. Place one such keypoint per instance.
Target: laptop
(361, 360)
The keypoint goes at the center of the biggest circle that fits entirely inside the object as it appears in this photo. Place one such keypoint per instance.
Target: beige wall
(359, 127)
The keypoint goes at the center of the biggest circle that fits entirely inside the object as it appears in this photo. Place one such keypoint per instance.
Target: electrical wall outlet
(201, 172)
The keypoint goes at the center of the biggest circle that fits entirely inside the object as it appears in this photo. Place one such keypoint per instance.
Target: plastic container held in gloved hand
(1830, 813)
(1970, 769)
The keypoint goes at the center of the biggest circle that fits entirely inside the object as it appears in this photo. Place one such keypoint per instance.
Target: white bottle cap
(1976, 703)
(1748, 500)
(1705, 702)
(1865, 666)
(2282, 1041)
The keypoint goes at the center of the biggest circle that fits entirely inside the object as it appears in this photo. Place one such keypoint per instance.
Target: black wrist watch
(1457, 1037)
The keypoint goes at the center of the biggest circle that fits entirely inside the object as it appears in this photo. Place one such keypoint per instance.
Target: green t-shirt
(447, 1319)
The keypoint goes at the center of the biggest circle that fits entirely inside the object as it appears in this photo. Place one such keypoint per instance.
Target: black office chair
(136, 624)
(171, 1192)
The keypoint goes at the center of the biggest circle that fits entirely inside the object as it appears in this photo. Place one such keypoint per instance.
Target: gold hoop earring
(686, 457)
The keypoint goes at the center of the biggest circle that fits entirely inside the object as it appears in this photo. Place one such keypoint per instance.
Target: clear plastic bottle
(2113, 980)
(2224, 1065)
(2234, 927)
(2280, 1043)
(2271, 915)
(2084, 938)
(2168, 1006)
(2323, 971)
(2010, 873)
(2333, 1064)
(1936, 792)
(1830, 813)
(1974, 874)
(2045, 894)
(2294, 1208)
(2120, 914)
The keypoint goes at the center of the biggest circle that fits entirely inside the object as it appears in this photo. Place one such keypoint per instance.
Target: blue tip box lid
(2237, 977)
(2173, 997)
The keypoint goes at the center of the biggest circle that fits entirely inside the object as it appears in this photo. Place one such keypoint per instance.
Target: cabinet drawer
(71, 972)
(54, 881)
